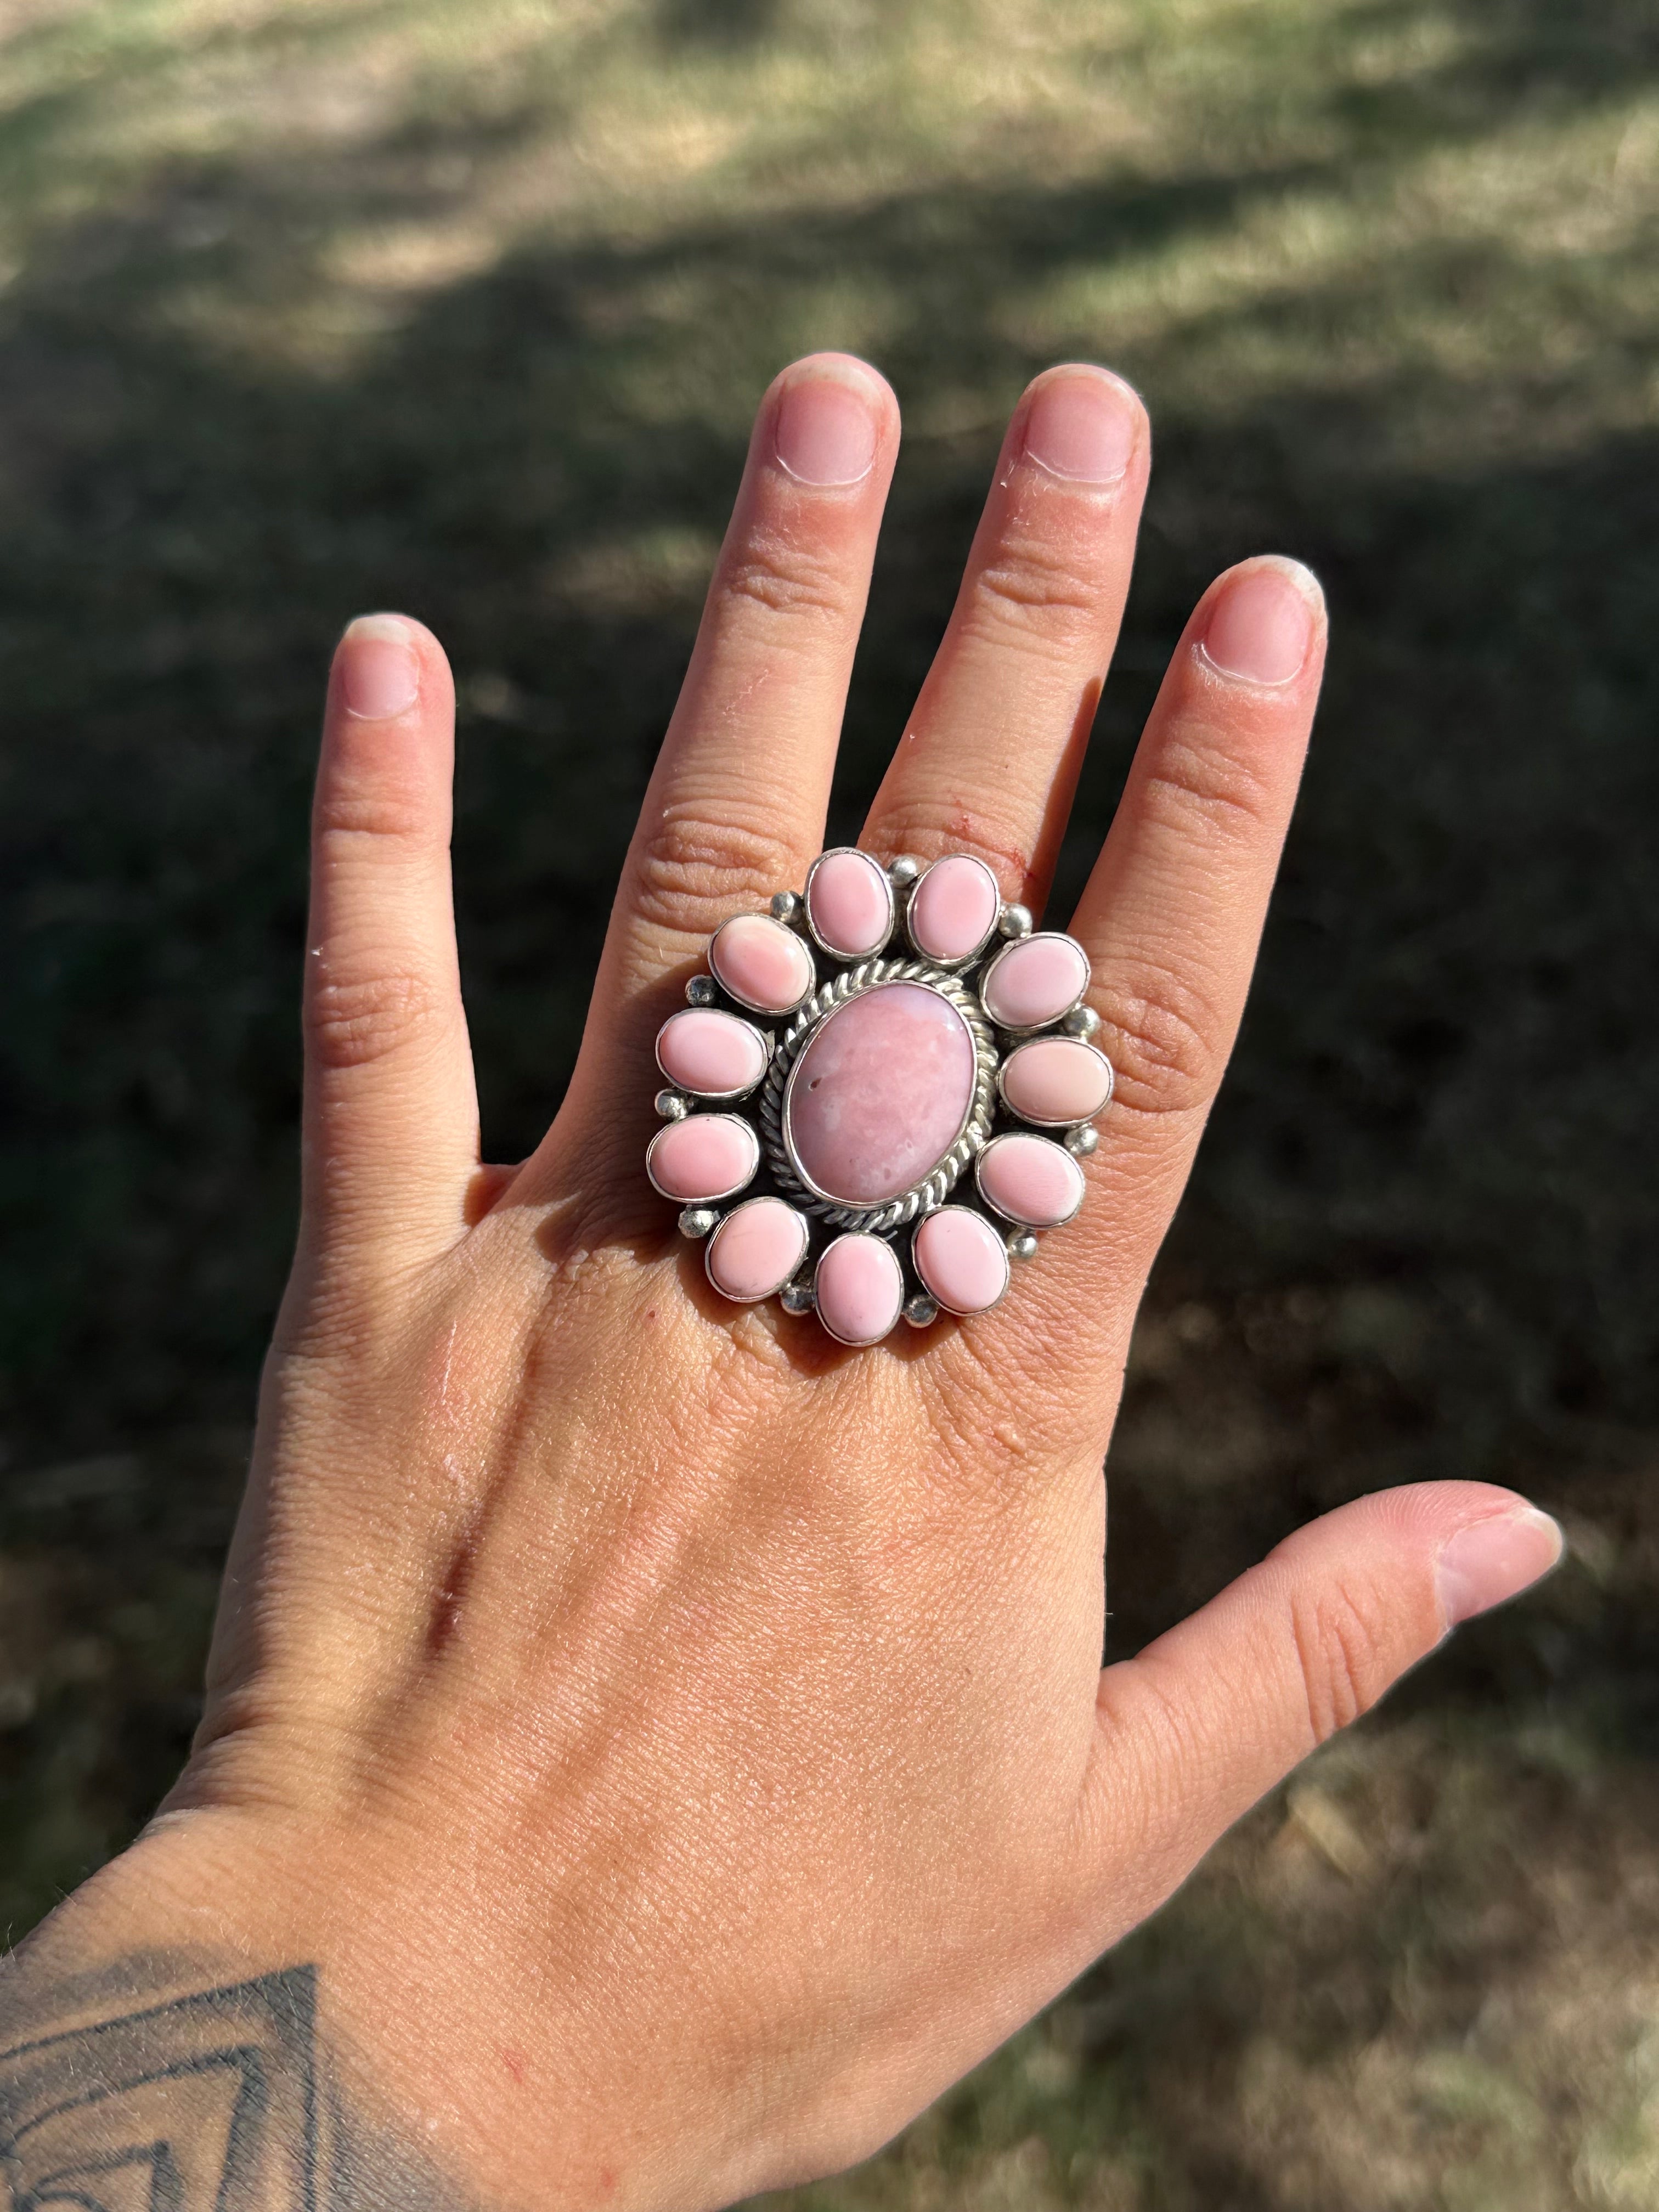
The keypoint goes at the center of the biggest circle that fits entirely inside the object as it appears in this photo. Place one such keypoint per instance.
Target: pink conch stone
(755, 1249)
(706, 1156)
(961, 1261)
(1031, 1180)
(953, 910)
(861, 1288)
(763, 965)
(849, 904)
(704, 1050)
(1055, 1080)
(1034, 980)
(880, 1094)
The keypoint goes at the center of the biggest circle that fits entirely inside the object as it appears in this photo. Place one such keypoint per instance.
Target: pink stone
(712, 1053)
(763, 965)
(880, 1094)
(706, 1156)
(860, 1289)
(755, 1249)
(850, 904)
(1030, 1180)
(1035, 980)
(953, 909)
(1056, 1080)
(961, 1261)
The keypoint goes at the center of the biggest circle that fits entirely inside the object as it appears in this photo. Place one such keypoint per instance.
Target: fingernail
(827, 425)
(1082, 424)
(1493, 1560)
(1262, 622)
(379, 670)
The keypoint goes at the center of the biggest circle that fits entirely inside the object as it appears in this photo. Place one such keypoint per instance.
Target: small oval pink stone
(706, 1156)
(714, 1055)
(860, 1289)
(1056, 1080)
(953, 909)
(755, 1249)
(880, 1094)
(962, 1262)
(850, 904)
(1031, 1180)
(763, 965)
(1035, 980)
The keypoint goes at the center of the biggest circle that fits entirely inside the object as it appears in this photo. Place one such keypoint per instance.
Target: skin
(677, 1746)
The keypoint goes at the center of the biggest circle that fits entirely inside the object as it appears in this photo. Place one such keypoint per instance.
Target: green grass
(313, 307)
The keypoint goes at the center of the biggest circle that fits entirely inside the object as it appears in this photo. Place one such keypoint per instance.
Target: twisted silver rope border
(922, 1197)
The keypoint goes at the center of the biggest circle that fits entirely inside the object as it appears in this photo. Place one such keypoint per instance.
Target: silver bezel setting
(1016, 943)
(834, 951)
(714, 1197)
(962, 959)
(750, 1005)
(763, 1199)
(1020, 1220)
(920, 1197)
(1062, 1121)
(862, 1343)
(965, 1313)
(762, 1038)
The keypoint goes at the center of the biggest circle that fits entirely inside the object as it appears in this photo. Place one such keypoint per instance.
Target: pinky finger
(390, 1115)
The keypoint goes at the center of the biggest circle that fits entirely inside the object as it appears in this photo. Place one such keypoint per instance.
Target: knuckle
(1165, 1044)
(352, 1021)
(1034, 589)
(349, 813)
(1338, 1637)
(781, 575)
(1200, 781)
(689, 873)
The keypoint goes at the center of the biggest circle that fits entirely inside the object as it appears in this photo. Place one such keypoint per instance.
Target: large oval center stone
(880, 1094)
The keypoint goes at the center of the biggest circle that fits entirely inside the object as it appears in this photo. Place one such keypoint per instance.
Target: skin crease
(680, 1743)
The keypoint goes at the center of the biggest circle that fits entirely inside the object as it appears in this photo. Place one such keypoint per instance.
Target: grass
(319, 307)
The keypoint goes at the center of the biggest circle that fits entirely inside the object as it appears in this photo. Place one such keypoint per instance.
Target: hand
(679, 1743)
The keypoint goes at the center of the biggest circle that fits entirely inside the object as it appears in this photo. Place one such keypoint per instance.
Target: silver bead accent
(1081, 1140)
(1022, 1244)
(1015, 921)
(786, 906)
(1081, 1022)
(797, 1298)
(699, 991)
(671, 1106)
(697, 1220)
(920, 1310)
(904, 870)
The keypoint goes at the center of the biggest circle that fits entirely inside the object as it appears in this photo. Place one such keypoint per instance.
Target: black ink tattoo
(216, 2100)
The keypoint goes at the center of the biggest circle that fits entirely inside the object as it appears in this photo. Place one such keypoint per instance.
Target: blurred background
(463, 307)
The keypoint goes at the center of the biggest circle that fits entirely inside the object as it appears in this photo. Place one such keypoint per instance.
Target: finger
(1170, 919)
(735, 808)
(1191, 1732)
(736, 804)
(989, 759)
(391, 1122)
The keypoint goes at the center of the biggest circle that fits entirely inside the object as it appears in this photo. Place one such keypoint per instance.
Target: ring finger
(989, 758)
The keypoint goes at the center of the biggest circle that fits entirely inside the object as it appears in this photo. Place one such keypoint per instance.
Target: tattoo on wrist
(151, 2086)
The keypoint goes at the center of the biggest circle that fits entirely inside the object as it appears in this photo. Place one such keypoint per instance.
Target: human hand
(679, 1743)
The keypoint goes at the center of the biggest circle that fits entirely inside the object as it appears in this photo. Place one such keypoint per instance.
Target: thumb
(1203, 1721)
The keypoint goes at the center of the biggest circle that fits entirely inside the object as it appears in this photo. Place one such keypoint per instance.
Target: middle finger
(990, 757)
